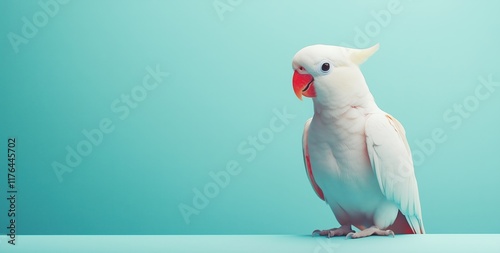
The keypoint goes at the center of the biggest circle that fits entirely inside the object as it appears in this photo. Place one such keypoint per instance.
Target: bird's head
(323, 71)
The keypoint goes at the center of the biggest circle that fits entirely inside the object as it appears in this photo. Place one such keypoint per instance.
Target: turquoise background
(227, 76)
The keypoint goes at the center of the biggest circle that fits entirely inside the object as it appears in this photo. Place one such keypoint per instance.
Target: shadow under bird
(356, 156)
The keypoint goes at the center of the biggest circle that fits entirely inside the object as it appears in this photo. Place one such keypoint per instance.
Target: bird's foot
(343, 230)
(368, 232)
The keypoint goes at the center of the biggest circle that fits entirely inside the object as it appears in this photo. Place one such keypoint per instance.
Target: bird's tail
(401, 226)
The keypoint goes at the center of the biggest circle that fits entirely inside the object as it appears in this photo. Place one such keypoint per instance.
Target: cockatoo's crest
(359, 56)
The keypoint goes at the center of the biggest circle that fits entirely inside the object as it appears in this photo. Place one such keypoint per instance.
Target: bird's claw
(316, 232)
(349, 235)
(368, 232)
(390, 232)
(332, 232)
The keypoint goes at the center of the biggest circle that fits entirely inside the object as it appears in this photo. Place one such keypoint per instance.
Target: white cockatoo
(357, 157)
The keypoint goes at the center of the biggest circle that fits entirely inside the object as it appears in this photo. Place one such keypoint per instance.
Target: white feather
(391, 160)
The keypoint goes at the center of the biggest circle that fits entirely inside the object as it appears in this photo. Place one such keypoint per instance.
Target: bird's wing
(307, 161)
(392, 163)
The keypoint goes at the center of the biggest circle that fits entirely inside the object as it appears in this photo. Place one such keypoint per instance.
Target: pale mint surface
(218, 138)
(484, 243)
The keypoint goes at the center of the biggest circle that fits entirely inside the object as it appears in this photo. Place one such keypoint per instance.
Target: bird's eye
(325, 67)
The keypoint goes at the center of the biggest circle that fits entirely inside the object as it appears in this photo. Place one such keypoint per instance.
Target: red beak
(303, 84)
